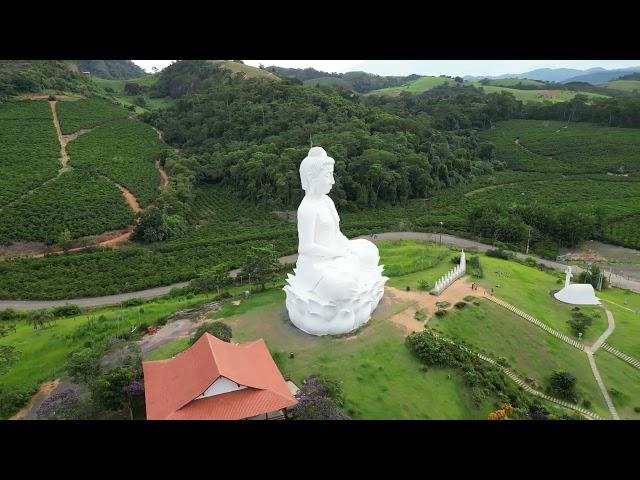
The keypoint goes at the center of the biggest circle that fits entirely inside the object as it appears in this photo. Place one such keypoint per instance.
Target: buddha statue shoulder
(337, 282)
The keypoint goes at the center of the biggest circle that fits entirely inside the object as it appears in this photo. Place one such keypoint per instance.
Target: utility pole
(528, 240)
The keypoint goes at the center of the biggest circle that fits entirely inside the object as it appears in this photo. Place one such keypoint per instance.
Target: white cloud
(147, 65)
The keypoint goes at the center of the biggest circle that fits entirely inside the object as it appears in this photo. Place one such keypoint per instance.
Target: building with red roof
(216, 380)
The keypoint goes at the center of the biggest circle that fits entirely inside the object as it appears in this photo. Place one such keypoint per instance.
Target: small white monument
(577, 293)
(451, 276)
(337, 282)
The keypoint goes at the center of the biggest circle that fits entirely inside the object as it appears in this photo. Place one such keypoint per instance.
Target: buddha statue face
(316, 172)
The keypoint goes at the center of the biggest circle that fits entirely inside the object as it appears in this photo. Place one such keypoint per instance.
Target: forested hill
(360, 82)
(29, 76)
(110, 69)
(252, 135)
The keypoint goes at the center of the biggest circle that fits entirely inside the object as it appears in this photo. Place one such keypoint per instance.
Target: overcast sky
(425, 67)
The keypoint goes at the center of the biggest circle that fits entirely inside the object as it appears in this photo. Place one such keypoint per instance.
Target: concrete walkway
(612, 325)
(603, 389)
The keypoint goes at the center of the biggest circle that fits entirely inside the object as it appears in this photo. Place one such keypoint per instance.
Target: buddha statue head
(316, 172)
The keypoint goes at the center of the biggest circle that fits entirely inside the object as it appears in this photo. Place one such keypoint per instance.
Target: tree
(64, 240)
(211, 281)
(563, 384)
(109, 391)
(83, 365)
(217, 329)
(151, 226)
(131, 88)
(319, 399)
(40, 318)
(262, 265)
(63, 405)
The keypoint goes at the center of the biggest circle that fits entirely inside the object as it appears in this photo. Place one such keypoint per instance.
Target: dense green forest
(27, 76)
(361, 82)
(110, 69)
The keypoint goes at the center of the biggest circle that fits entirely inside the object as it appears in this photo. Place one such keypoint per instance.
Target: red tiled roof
(172, 385)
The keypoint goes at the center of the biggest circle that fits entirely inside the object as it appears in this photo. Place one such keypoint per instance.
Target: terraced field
(82, 203)
(87, 113)
(124, 151)
(29, 149)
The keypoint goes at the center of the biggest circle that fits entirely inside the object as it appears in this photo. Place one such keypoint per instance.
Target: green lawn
(529, 350)
(623, 383)
(626, 336)
(627, 86)
(529, 290)
(381, 379)
(422, 84)
(552, 96)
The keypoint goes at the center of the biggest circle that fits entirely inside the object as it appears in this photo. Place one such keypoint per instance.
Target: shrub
(579, 322)
(498, 253)
(9, 314)
(563, 385)
(460, 305)
(320, 398)
(423, 285)
(217, 329)
(440, 313)
(66, 310)
(636, 409)
(420, 315)
(586, 403)
(469, 298)
(502, 361)
(133, 302)
(408, 288)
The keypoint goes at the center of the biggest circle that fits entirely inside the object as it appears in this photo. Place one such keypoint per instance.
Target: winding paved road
(451, 240)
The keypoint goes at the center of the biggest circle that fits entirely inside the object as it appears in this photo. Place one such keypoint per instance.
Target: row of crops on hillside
(625, 232)
(87, 113)
(124, 151)
(77, 201)
(551, 146)
(29, 148)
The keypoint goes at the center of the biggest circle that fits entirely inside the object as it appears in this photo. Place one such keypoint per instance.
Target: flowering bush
(63, 405)
(319, 399)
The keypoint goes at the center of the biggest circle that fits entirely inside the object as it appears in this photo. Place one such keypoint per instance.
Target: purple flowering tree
(319, 399)
(134, 389)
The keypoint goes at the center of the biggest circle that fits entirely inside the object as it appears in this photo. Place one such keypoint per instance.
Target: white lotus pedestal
(323, 316)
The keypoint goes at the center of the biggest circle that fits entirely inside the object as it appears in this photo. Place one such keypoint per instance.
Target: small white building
(578, 293)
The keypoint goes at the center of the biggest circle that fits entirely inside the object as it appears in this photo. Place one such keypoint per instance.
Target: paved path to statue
(616, 280)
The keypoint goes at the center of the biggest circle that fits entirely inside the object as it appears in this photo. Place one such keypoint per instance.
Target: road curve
(616, 280)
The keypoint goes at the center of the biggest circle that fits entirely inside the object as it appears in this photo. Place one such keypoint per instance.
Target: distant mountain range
(565, 75)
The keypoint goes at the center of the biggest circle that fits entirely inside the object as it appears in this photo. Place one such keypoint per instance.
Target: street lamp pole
(441, 228)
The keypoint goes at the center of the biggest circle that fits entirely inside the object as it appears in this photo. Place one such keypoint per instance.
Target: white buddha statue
(337, 281)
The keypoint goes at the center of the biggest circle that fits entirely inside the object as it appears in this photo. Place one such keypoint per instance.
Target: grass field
(626, 336)
(552, 96)
(512, 82)
(419, 85)
(627, 86)
(623, 384)
(43, 351)
(530, 289)
(29, 148)
(247, 70)
(381, 379)
(528, 349)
